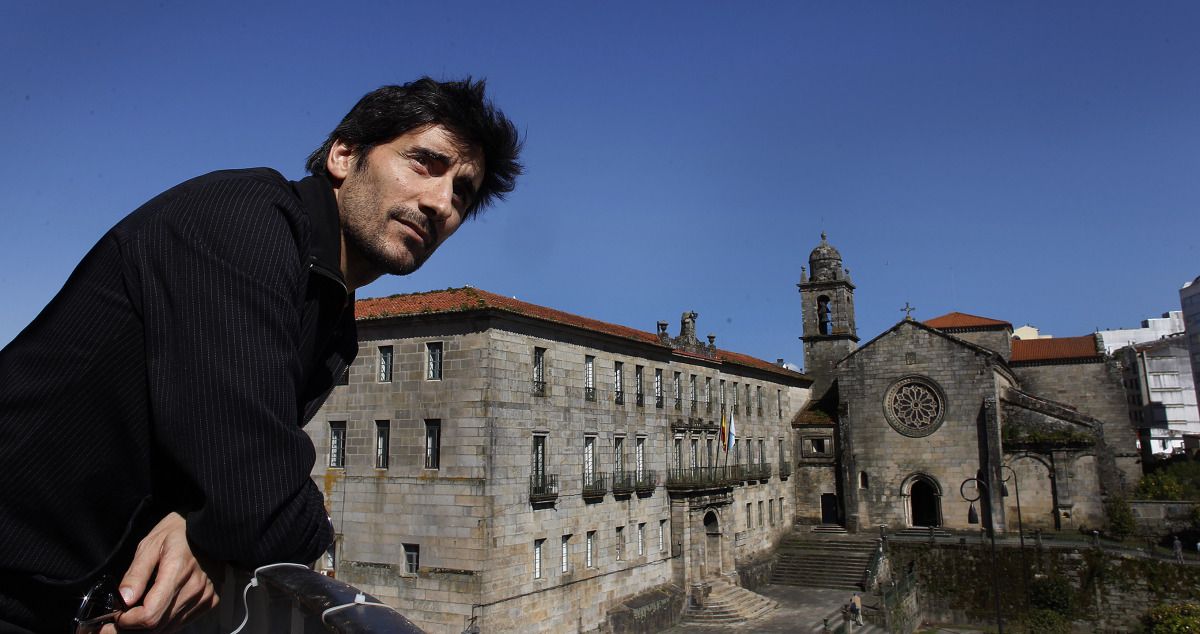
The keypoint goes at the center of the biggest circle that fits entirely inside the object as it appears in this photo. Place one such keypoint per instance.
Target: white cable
(254, 583)
(359, 599)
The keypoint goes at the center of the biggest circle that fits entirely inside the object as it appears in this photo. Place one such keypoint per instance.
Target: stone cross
(908, 310)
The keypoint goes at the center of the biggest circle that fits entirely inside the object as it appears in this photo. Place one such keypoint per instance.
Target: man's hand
(181, 590)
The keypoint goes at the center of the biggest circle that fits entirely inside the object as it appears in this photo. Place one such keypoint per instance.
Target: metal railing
(622, 482)
(293, 599)
(543, 487)
(595, 484)
(645, 480)
(539, 388)
(699, 477)
(589, 393)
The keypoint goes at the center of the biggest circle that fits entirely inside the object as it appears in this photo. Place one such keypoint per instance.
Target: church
(930, 424)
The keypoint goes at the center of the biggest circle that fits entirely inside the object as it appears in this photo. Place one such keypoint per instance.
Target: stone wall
(1107, 592)
(649, 612)
(1163, 518)
(756, 573)
(812, 480)
(1095, 389)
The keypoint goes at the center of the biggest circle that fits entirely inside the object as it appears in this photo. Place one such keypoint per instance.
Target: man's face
(403, 200)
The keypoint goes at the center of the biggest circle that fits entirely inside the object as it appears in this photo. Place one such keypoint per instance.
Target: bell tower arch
(827, 313)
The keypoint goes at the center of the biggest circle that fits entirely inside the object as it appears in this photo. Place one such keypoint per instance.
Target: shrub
(1173, 618)
(1120, 518)
(1050, 593)
(1044, 621)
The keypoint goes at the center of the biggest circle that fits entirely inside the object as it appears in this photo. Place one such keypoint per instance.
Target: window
(735, 397)
(566, 554)
(762, 451)
(538, 467)
(737, 453)
(618, 454)
(639, 456)
(385, 364)
(722, 394)
(589, 460)
(537, 558)
(760, 513)
(591, 548)
(781, 460)
(749, 524)
(692, 390)
(708, 391)
(695, 452)
(747, 399)
(637, 385)
(749, 452)
(433, 443)
(539, 371)
(678, 390)
(779, 402)
(412, 558)
(658, 388)
(589, 378)
(758, 398)
(619, 543)
(662, 536)
(709, 447)
(619, 381)
(382, 443)
(771, 511)
(679, 452)
(337, 444)
(433, 364)
(641, 539)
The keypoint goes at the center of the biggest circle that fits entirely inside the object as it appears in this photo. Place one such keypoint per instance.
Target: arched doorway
(712, 545)
(925, 503)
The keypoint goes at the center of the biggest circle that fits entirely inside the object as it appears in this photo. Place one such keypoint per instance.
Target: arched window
(824, 316)
(862, 480)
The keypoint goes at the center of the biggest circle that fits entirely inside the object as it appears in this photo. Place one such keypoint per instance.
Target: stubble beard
(365, 231)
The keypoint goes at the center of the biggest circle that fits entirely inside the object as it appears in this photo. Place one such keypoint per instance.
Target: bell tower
(827, 310)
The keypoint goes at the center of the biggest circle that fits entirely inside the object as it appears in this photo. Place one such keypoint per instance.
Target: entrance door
(712, 546)
(924, 499)
(829, 508)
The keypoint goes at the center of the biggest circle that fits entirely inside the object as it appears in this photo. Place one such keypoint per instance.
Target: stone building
(899, 425)
(492, 465)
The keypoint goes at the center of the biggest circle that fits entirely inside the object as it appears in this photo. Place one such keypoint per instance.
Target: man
(151, 415)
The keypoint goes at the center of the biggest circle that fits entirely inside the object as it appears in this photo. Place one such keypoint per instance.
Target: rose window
(914, 406)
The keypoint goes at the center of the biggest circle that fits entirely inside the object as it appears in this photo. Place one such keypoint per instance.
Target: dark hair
(388, 112)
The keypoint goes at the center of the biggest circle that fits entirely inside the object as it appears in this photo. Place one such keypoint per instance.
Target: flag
(732, 431)
(724, 430)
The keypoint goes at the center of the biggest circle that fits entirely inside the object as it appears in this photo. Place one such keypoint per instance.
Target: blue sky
(1029, 161)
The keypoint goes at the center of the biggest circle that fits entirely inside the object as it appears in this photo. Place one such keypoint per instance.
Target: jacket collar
(325, 246)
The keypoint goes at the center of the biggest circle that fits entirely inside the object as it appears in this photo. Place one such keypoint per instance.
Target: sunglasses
(102, 604)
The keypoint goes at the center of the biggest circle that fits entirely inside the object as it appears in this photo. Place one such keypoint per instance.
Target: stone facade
(925, 411)
(515, 431)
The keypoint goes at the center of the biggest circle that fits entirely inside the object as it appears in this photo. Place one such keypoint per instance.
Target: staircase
(823, 563)
(728, 604)
(915, 533)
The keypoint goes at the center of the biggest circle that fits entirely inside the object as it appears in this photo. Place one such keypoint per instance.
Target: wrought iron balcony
(645, 480)
(698, 478)
(589, 393)
(622, 482)
(785, 470)
(296, 599)
(619, 397)
(595, 484)
(543, 487)
(737, 472)
(539, 388)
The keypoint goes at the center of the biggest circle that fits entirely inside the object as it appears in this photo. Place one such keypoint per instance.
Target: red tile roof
(466, 299)
(1054, 349)
(963, 320)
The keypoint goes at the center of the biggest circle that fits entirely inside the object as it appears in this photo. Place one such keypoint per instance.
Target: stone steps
(825, 563)
(728, 604)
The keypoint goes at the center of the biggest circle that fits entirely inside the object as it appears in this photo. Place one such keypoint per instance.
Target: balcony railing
(296, 599)
(698, 478)
(785, 471)
(589, 393)
(737, 472)
(645, 480)
(543, 487)
(595, 484)
(622, 482)
(539, 388)
(619, 398)
(758, 471)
